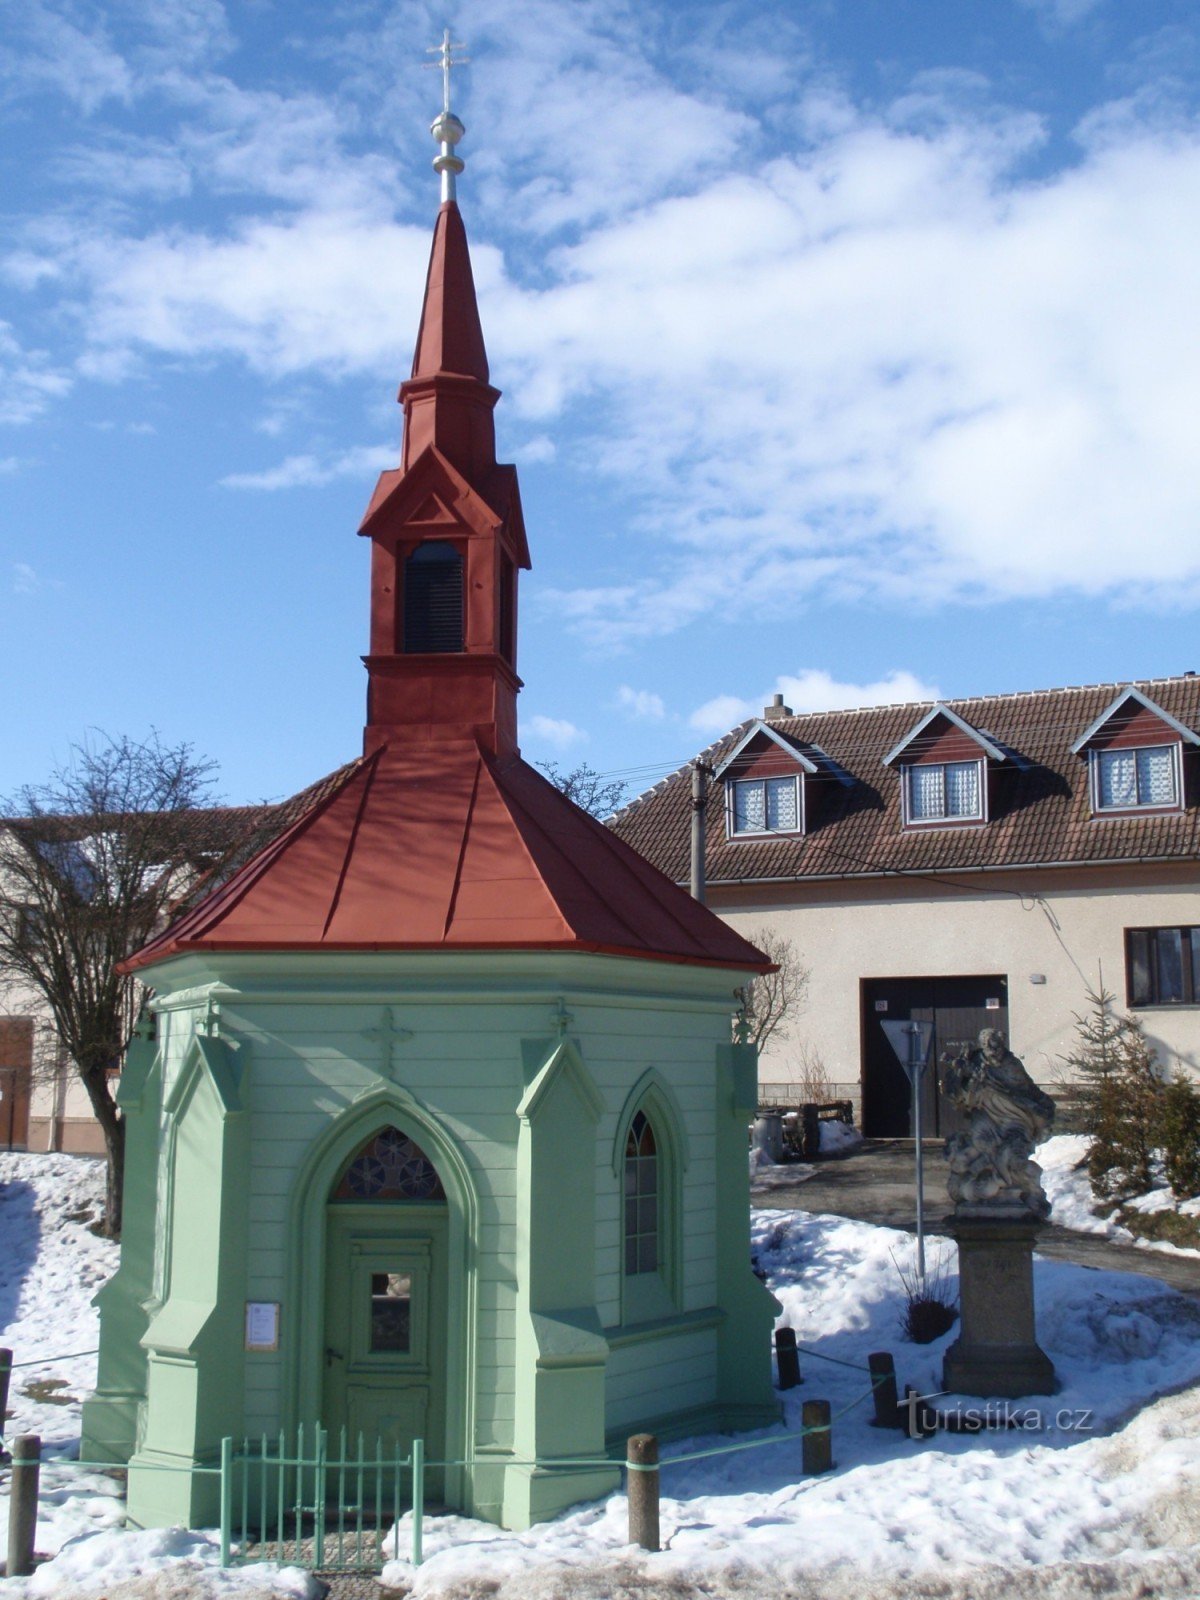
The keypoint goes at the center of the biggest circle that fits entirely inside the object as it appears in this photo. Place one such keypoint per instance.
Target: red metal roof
(441, 846)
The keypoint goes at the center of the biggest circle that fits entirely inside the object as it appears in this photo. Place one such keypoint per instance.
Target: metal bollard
(787, 1358)
(817, 1444)
(641, 1455)
(6, 1362)
(22, 1508)
(883, 1386)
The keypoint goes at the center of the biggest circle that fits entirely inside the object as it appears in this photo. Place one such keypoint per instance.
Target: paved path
(876, 1184)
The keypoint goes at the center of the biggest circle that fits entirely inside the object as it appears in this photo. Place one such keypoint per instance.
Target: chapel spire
(447, 399)
(446, 527)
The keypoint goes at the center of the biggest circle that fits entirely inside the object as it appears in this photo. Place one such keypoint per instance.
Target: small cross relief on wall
(389, 1036)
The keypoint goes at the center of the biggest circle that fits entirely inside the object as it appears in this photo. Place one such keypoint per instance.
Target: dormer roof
(988, 746)
(1128, 693)
(760, 729)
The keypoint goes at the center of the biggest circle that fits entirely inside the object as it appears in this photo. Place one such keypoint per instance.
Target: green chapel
(436, 1130)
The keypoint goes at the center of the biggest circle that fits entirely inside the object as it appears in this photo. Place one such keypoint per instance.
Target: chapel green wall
(546, 1345)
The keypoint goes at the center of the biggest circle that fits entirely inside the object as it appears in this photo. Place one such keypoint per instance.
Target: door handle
(332, 1355)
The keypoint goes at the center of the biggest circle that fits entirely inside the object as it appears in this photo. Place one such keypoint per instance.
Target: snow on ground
(1097, 1493)
(839, 1138)
(51, 1264)
(766, 1174)
(1073, 1485)
(1074, 1204)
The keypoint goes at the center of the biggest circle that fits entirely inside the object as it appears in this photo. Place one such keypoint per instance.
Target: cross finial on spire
(447, 129)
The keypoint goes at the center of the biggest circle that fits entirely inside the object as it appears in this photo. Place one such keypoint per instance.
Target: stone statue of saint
(1006, 1115)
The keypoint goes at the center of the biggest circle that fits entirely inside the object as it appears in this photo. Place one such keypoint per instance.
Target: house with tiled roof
(973, 862)
(43, 1104)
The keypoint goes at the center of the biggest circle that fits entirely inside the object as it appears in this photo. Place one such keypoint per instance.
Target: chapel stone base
(996, 1352)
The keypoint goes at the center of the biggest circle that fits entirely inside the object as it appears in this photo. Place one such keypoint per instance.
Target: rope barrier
(47, 1361)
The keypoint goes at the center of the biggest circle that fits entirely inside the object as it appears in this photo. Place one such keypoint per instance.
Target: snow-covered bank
(1098, 1494)
(897, 1511)
(1074, 1203)
(51, 1264)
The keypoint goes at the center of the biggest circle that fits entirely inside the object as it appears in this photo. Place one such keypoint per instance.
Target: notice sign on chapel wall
(262, 1324)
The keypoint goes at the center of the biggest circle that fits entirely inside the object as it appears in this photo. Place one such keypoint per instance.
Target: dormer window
(766, 805)
(945, 767)
(764, 778)
(1135, 755)
(1129, 780)
(945, 791)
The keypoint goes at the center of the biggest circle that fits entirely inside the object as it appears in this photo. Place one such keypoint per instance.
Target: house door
(16, 1066)
(385, 1299)
(958, 1008)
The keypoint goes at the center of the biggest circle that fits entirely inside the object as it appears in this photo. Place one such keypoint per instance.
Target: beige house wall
(60, 1115)
(1065, 926)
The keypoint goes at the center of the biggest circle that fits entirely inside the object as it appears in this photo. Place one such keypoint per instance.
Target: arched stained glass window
(389, 1167)
(641, 1198)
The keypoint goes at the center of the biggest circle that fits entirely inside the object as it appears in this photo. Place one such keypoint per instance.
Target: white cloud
(25, 579)
(318, 292)
(536, 451)
(554, 731)
(812, 689)
(1057, 15)
(29, 381)
(722, 712)
(10, 464)
(641, 703)
(310, 472)
(883, 363)
(49, 51)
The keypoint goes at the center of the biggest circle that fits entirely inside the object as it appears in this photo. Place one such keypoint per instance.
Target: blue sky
(852, 351)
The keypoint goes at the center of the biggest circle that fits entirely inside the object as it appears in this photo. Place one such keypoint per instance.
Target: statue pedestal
(996, 1353)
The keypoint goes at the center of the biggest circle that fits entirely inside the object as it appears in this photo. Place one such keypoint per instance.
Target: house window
(641, 1198)
(1162, 966)
(1125, 780)
(766, 805)
(433, 600)
(950, 791)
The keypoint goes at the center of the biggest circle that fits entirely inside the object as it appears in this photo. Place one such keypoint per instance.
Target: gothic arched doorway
(385, 1296)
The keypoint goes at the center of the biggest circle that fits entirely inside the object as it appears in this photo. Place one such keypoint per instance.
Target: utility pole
(700, 775)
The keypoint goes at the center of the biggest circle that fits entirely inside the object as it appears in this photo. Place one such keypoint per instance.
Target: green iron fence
(312, 1506)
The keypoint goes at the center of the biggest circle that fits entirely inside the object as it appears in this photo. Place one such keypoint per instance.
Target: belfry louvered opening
(433, 600)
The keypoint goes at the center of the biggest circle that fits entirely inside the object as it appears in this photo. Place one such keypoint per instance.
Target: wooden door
(16, 1073)
(958, 1008)
(385, 1325)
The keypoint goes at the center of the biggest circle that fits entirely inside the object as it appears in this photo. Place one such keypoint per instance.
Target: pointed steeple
(450, 338)
(446, 527)
(448, 401)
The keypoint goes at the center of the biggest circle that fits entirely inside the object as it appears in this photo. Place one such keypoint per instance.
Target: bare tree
(768, 1004)
(587, 787)
(89, 864)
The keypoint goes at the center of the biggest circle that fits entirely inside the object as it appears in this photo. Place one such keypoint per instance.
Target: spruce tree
(1120, 1093)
